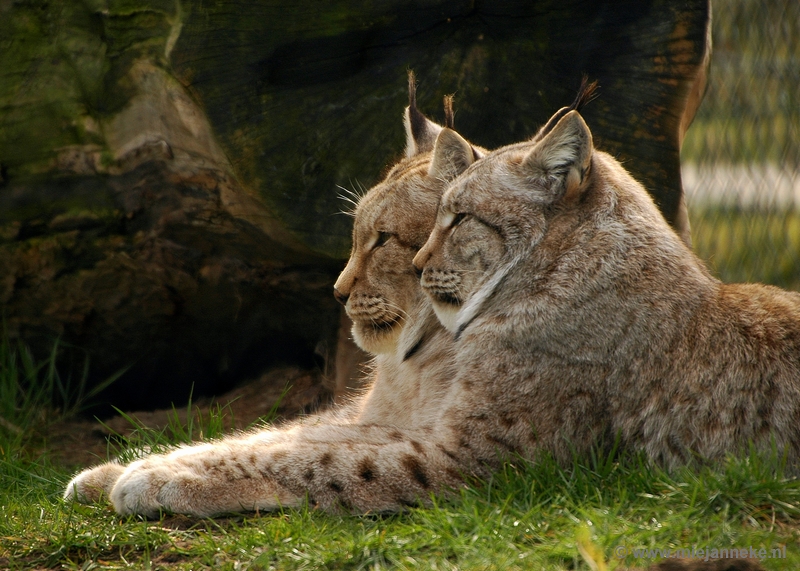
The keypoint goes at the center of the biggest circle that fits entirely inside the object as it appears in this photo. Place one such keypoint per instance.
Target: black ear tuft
(421, 132)
(417, 119)
(412, 89)
(449, 115)
(587, 93)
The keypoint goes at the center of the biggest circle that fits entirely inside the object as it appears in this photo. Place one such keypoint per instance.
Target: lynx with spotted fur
(582, 318)
(382, 452)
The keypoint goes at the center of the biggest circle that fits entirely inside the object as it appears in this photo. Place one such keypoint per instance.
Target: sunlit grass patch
(528, 516)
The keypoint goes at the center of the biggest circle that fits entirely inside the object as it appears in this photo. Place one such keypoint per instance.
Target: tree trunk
(168, 199)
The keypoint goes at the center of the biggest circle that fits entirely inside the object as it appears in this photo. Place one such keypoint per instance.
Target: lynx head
(379, 286)
(496, 214)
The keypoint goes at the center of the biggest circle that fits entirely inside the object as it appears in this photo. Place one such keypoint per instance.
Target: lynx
(582, 319)
(380, 453)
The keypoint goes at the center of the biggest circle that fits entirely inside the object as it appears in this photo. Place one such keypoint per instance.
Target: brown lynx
(581, 317)
(382, 452)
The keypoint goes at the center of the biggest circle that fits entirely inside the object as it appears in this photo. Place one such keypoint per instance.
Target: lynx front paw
(150, 490)
(91, 485)
(176, 487)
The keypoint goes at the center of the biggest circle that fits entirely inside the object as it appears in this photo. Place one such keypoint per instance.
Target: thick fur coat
(583, 319)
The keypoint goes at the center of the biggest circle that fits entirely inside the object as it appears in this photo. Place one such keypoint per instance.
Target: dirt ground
(78, 443)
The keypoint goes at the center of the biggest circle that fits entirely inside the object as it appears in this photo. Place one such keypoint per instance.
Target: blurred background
(740, 159)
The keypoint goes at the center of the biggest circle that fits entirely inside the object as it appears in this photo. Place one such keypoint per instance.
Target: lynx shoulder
(579, 310)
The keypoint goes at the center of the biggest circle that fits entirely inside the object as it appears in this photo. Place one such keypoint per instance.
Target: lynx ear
(452, 154)
(421, 132)
(557, 166)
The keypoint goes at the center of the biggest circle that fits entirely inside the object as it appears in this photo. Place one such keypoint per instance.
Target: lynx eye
(383, 237)
(458, 219)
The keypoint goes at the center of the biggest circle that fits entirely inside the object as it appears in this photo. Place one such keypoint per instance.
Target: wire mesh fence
(741, 157)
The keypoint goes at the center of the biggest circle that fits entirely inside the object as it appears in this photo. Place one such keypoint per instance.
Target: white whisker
(396, 311)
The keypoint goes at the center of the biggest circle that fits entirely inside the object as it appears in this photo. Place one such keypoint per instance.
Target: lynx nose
(340, 297)
(419, 261)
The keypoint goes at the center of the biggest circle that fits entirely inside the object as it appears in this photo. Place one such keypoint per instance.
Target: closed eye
(458, 219)
(383, 237)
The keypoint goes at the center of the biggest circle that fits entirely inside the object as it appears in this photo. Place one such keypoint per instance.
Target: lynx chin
(582, 319)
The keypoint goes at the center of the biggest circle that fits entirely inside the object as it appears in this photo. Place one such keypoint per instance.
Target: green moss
(64, 62)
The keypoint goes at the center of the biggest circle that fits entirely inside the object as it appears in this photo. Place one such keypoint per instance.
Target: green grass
(33, 395)
(527, 517)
